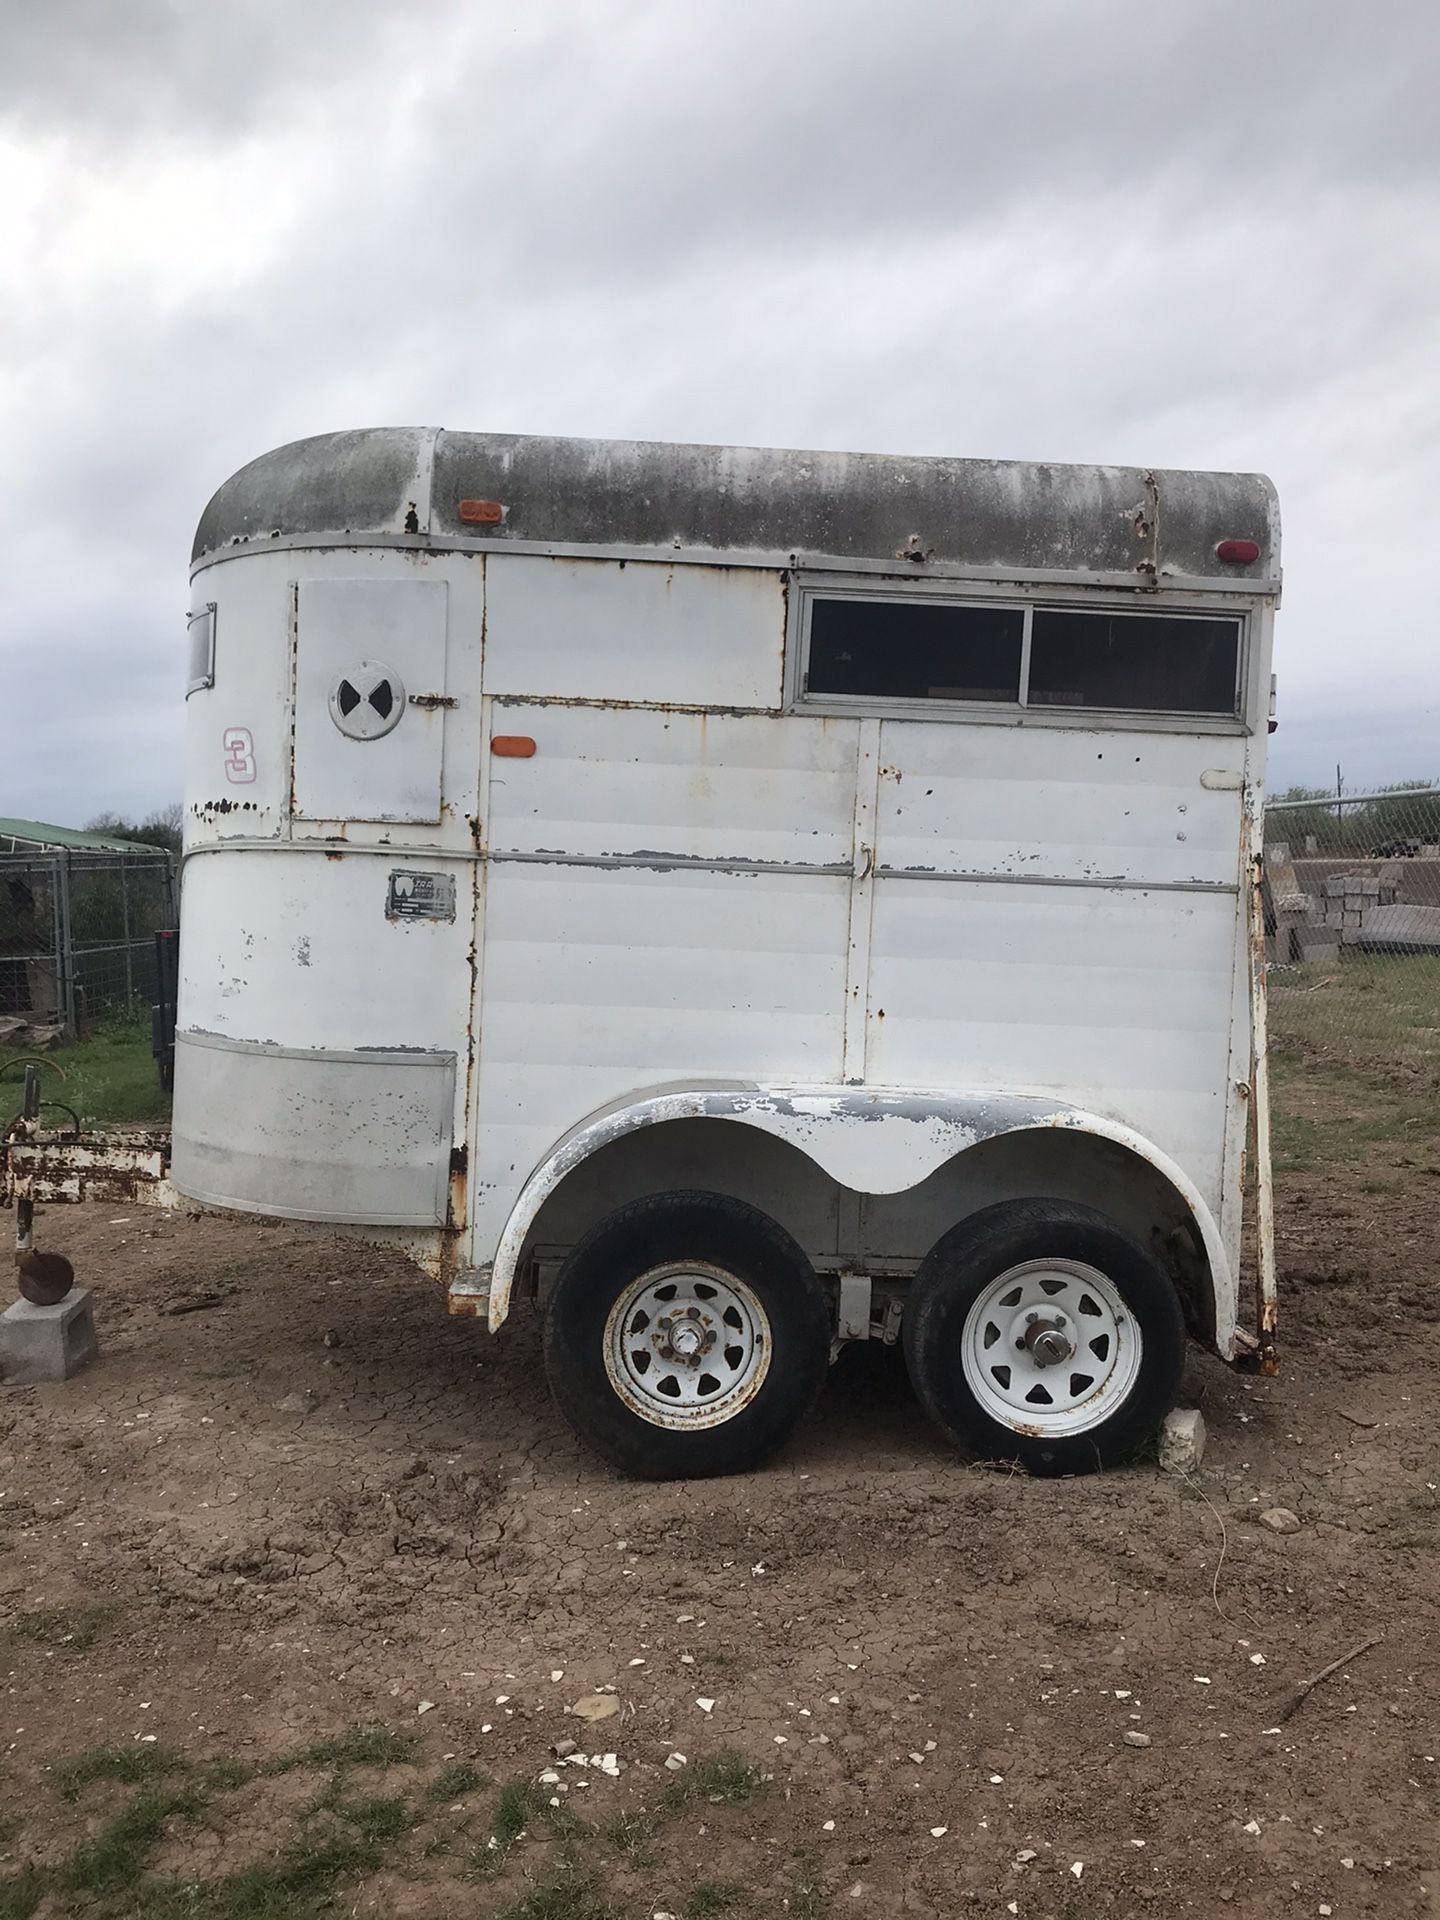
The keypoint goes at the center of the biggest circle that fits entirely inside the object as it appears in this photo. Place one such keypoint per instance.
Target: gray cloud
(1193, 236)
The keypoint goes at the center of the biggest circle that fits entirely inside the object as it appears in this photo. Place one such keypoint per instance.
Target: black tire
(968, 1260)
(666, 1229)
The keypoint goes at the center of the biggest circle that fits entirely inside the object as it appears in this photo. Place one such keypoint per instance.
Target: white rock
(1280, 1520)
(557, 1673)
(1257, 1659)
(549, 1778)
(676, 1761)
(827, 1826)
(938, 1833)
(595, 1706)
(1134, 1739)
(705, 1706)
(1077, 1867)
(425, 1706)
(1252, 1826)
(1182, 1440)
(918, 1758)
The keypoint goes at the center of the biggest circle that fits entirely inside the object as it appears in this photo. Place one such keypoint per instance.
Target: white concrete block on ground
(39, 1344)
(1182, 1440)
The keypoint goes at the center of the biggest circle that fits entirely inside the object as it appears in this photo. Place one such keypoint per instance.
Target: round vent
(368, 701)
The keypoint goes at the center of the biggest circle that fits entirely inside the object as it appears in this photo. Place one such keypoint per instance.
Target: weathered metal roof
(28, 834)
(935, 514)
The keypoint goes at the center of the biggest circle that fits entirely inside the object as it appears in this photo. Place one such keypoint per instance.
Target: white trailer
(741, 901)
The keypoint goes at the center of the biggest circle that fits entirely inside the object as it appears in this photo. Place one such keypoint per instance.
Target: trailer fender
(869, 1141)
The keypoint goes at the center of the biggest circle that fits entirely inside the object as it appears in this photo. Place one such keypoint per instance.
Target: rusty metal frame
(1266, 1284)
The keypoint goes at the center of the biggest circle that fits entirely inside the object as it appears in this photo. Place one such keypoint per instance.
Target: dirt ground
(313, 1504)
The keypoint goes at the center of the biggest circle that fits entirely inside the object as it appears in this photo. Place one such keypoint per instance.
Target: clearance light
(1238, 553)
(512, 746)
(483, 513)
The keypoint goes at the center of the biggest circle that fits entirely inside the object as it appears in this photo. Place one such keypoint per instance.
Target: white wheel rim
(1051, 1348)
(687, 1346)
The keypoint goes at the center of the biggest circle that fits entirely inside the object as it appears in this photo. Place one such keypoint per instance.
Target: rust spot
(431, 700)
(459, 1162)
(482, 513)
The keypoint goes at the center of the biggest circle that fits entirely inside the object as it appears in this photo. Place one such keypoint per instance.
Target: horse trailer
(741, 902)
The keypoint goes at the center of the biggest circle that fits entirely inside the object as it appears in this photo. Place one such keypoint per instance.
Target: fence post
(65, 955)
(125, 928)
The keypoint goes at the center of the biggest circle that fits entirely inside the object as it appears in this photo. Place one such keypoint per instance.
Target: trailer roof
(29, 834)
(734, 502)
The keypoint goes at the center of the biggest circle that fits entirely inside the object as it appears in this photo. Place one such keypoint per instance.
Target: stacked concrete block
(1349, 898)
(1292, 908)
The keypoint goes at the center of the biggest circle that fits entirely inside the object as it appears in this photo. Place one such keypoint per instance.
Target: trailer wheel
(1041, 1332)
(687, 1335)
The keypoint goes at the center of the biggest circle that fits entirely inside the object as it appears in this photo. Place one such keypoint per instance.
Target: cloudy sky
(1194, 235)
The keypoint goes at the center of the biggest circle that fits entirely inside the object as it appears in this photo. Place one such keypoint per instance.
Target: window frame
(807, 588)
(198, 681)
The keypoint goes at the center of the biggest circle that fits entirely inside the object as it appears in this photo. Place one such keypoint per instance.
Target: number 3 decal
(239, 756)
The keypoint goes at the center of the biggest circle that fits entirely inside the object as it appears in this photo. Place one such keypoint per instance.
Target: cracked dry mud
(292, 1537)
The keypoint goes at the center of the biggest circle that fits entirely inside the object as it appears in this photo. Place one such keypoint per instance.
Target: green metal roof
(37, 833)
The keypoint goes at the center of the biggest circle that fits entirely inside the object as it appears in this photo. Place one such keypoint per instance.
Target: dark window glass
(1154, 662)
(911, 650)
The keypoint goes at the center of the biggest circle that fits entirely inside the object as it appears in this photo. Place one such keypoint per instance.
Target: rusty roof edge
(1039, 516)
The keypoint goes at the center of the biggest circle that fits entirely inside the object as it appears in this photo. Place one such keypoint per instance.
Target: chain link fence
(1352, 921)
(77, 935)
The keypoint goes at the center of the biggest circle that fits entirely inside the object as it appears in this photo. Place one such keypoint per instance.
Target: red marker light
(484, 513)
(1238, 553)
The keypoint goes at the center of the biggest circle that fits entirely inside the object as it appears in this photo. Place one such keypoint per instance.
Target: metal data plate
(421, 896)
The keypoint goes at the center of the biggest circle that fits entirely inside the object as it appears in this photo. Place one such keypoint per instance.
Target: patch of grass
(713, 1896)
(724, 1779)
(357, 1747)
(633, 1836)
(519, 1803)
(113, 1861)
(61, 1627)
(455, 1782)
(130, 1765)
(21, 1894)
(808, 1899)
(110, 1077)
(379, 1818)
(223, 1776)
(569, 1896)
(293, 1886)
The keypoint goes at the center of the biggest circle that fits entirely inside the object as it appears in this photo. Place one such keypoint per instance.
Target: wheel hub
(1050, 1348)
(686, 1338)
(687, 1345)
(1047, 1341)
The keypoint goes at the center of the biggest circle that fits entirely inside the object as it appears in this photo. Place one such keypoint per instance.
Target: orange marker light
(485, 513)
(513, 746)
